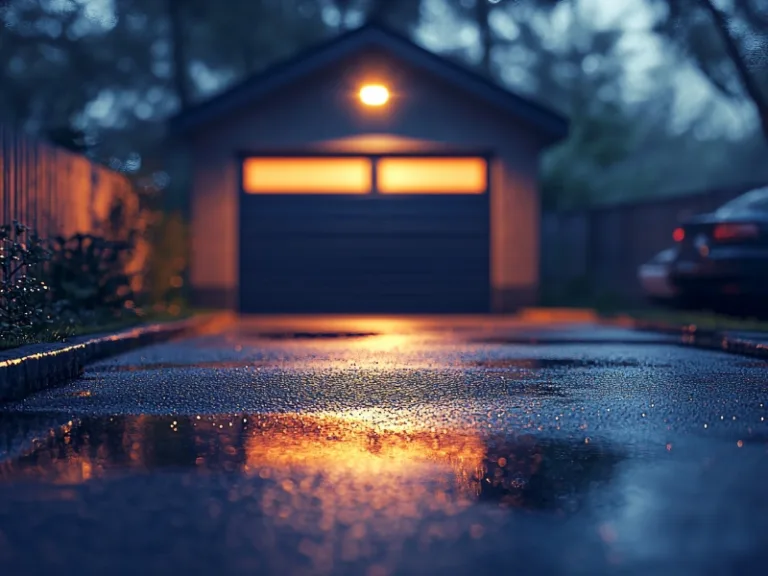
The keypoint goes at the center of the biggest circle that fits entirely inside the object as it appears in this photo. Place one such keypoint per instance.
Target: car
(654, 277)
(721, 260)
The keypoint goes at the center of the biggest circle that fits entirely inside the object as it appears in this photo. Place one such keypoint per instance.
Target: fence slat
(54, 190)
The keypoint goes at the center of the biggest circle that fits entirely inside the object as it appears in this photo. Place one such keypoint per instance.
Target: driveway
(393, 446)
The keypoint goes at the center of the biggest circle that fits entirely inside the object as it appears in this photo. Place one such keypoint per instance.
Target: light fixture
(374, 95)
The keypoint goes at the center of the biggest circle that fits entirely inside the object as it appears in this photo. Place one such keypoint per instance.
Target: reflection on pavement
(359, 492)
(328, 490)
(324, 461)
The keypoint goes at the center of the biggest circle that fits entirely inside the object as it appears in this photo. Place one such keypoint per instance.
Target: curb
(706, 339)
(559, 315)
(29, 369)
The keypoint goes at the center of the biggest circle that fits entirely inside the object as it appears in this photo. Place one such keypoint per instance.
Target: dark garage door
(364, 253)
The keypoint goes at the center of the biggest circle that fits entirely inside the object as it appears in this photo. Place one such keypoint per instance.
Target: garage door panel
(466, 219)
(443, 272)
(292, 204)
(396, 250)
(358, 205)
(348, 281)
(358, 226)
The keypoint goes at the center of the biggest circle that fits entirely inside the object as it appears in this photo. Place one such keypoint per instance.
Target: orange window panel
(432, 175)
(307, 175)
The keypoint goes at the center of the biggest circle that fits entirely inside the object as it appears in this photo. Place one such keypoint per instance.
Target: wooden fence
(596, 253)
(56, 191)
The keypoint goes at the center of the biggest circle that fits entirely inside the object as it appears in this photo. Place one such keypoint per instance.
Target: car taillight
(726, 232)
(678, 235)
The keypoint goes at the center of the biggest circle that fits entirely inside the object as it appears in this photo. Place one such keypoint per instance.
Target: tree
(481, 14)
(178, 39)
(400, 15)
(583, 79)
(722, 44)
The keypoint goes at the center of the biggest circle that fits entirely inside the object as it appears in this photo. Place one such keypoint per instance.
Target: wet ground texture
(400, 446)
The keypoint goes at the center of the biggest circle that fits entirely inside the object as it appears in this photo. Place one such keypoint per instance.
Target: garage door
(364, 235)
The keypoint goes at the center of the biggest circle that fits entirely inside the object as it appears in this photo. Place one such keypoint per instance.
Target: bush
(25, 305)
(168, 261)
(87, 277)
(52, 289)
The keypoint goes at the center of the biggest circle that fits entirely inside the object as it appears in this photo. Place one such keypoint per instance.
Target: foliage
(168, 260)
(87, 277)
(24, 303)
(728, 45)
(69, 138)
(50, 289)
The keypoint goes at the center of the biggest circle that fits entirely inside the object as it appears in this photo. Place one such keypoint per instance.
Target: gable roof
(550, 123)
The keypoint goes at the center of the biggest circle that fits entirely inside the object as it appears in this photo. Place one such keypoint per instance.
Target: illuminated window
(432, 175)
(307, 175)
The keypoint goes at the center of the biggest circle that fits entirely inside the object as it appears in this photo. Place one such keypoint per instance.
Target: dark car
(722, 257)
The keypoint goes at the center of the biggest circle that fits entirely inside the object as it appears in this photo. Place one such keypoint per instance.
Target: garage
(365, 175)
(357, 233)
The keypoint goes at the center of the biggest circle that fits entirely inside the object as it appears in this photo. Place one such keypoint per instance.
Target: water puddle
(361, 493)
(309, 456)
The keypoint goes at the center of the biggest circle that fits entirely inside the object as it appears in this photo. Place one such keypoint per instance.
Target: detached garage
(366, 176)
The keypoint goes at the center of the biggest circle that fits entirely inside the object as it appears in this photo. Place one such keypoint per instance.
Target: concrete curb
(706, 339)
(28, 369)
(544, 315)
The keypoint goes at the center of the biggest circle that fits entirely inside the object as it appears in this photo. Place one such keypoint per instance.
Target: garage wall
(213, 228)
(423, 115)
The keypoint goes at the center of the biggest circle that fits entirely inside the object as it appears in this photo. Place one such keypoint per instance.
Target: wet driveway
(379, 447)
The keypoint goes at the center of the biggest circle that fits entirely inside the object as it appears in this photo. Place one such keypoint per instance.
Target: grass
(702, 320)
(62, 334)
(612, 305)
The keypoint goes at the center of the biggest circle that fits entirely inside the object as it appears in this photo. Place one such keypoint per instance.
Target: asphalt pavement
(380, 446)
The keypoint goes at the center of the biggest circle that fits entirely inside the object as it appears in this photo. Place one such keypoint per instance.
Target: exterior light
(374, 95)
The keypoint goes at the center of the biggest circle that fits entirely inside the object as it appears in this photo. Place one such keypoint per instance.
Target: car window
(755, 200)
(664, 256)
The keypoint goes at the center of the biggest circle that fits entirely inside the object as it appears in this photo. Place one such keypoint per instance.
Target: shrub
(167, 261)
(25, 306)
(86, 274)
